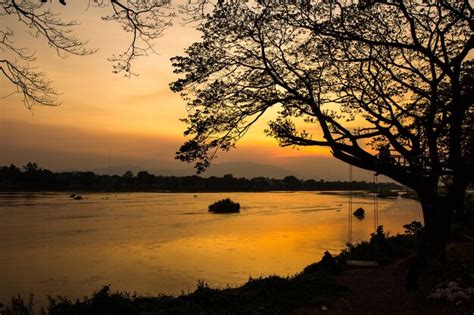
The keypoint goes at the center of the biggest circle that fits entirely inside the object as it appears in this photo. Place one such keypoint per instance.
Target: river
(156, 243)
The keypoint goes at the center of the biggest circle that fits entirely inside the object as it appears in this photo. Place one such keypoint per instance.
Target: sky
(135, 119)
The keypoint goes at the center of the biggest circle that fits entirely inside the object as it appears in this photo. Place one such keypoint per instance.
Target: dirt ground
(382, 290)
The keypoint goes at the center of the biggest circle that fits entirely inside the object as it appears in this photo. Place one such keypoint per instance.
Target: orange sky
(137, 118)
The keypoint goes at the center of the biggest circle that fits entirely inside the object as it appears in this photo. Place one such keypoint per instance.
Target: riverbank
(383, 289)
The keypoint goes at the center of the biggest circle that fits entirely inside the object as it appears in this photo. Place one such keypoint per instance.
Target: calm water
(160, 242)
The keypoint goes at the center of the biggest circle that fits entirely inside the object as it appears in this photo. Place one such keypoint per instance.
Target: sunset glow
(136, 118)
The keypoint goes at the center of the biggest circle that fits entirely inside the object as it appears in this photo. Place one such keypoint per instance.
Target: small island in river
(224, 206)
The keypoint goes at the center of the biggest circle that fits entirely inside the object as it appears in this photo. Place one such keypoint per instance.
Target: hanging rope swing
(376, 202)
(349, 230)
(363, 263)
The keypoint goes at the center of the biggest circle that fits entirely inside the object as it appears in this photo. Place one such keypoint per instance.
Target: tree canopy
(386, 85)
(394, 73)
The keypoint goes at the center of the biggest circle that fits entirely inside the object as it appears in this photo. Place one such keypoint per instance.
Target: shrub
(383, 247)
(328, 264)
(224, 206)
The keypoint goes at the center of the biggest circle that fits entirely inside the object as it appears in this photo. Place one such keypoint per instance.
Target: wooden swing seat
(363, 263)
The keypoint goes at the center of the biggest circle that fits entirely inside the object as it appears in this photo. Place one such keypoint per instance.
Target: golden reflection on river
(165, 242)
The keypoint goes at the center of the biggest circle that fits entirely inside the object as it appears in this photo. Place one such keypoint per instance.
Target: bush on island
(224, 206)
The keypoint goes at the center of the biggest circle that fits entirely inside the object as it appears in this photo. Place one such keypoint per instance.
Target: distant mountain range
(237, 169)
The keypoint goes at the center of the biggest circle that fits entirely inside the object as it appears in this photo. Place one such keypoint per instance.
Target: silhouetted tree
(31, 167)
(144, 20)
(10, 175)
(292, 182)
(84, 179)
(127, 175)
(145, 178)
(366, 76)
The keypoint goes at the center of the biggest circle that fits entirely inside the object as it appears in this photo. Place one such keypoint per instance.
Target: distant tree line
(32, 177)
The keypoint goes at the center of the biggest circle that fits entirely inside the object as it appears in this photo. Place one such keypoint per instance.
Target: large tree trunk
(437, 213)
(457, 194)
